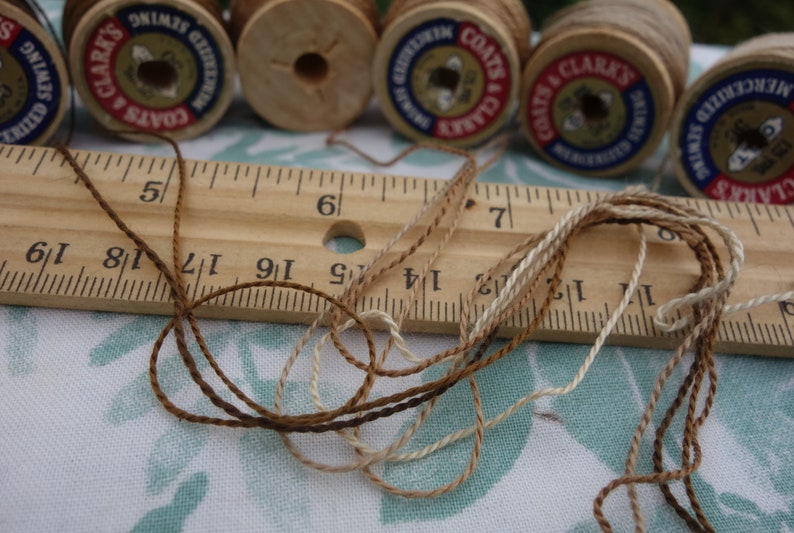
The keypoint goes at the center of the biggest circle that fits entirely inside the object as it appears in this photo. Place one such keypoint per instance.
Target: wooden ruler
(246, 222)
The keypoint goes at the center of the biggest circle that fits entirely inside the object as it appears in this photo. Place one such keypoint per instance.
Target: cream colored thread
(462, 180)
(370, 456)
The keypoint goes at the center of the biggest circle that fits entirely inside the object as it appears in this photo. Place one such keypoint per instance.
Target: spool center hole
(753, 139)
(158, 74)
(311, 68)
(594, 108)
(444, 78)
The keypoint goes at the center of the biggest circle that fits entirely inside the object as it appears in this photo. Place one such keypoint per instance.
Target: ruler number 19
(41, 250)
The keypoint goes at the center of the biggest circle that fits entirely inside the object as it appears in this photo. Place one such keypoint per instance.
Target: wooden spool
(33, 80)
(595, 101)
(446, 72)
(146, 65)
(304, 64)
(733, 134)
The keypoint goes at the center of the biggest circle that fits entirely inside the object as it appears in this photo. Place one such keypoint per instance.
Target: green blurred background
(725, 22)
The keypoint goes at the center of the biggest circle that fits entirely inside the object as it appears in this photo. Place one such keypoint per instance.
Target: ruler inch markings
(240, 231)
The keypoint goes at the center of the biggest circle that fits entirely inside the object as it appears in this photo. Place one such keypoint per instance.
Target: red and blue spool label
(469, 105)
(142, 33)
(736, 140)
(30, 86)
(562, 131)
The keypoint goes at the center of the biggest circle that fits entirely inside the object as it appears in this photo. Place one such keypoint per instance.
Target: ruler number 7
(500, 211)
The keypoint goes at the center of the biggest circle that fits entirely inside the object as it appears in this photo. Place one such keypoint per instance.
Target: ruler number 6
(151, 191)
(327, 205)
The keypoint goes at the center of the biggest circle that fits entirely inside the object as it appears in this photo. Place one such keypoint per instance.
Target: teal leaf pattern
(747, 486)
(761, 425)
(171, 518)
(275, 480)
(22, 338)
(138, 332)
(502, 444)
(617, 388)
(172, 453)
(136, 399)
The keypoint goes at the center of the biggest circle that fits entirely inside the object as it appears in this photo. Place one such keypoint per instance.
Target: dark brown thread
(358, 410)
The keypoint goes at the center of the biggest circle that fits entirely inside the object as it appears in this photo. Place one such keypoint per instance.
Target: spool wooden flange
(595, 102)
(446, 72)
(149, 65)
(33, 81)
(304, 64)
(733, 134)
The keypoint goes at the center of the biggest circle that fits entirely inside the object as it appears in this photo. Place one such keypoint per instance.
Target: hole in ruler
(344, 237)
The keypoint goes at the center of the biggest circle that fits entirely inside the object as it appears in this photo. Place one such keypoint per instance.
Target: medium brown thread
(359, 410)
(561, 99)
(656, 23)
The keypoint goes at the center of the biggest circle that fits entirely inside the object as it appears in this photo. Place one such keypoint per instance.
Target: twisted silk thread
(656, 23)
(510, 14)
(539, 258)
(241, 11)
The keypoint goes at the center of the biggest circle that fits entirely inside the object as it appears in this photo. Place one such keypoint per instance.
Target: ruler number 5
(151, 191)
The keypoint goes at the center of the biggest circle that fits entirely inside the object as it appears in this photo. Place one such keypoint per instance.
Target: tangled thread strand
(535, 259)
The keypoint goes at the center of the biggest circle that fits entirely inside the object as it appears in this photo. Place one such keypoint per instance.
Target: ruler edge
(543, 335)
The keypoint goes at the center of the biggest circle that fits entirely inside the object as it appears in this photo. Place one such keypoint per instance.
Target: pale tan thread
(780, 45)
(511, 14)
(655, 23)
(540, 258)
